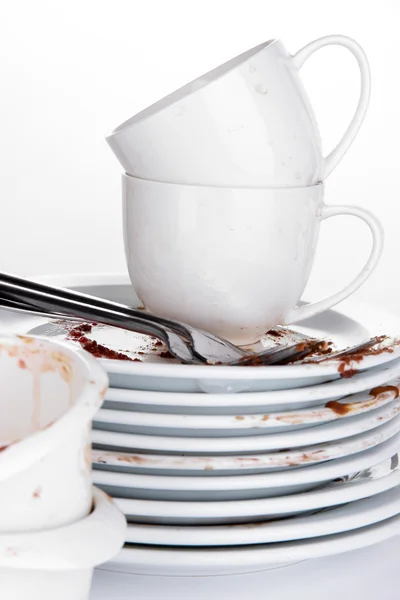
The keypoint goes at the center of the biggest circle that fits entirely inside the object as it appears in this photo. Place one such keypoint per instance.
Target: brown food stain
(274, 333)
(87, 455)
(265, 418)
(239, 418)
(79, 334)
(208, 468)
(132, 459)
(382, 389)
(346, 370)
(339, 408)
(165, 354)
(22, 364)
(37, 493)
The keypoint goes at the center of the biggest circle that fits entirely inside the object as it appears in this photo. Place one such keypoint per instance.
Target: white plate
(244, 425)
(263, 509)
(353, 515)
(241, 487)
(239, 463)
(170, 561)
(253, 402)
(353, 324)
(327, 432)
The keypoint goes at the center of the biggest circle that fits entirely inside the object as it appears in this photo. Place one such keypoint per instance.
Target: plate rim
(220, 372)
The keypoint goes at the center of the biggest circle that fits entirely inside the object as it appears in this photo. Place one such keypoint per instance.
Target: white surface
(366, 574)
(229, 260)
(71, 72)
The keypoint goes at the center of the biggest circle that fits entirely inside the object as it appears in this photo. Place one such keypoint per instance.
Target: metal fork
(184, 342)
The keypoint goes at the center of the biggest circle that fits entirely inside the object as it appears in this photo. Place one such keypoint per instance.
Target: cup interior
(39, 383)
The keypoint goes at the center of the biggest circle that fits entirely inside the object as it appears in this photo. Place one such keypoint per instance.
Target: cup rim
(191, 186)
(21, 454)
(191, 88)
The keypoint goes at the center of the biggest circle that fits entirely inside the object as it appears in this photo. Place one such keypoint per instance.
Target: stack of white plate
(234, 469)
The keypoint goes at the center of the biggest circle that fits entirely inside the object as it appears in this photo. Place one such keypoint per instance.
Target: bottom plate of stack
(220, 560)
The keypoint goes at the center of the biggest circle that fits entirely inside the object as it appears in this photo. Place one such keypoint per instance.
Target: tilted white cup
(247, 123)
(231, 261)
(49, 393)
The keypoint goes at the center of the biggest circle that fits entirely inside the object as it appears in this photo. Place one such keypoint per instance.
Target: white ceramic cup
(247, 123)
(59, 563)
(231, 261)
(49, 393)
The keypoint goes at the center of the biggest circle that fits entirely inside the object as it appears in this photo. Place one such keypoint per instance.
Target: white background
(72, 71)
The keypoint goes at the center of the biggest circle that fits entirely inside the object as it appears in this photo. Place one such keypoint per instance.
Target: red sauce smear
(97, 350)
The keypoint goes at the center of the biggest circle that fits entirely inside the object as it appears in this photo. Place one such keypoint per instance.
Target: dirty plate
(353, 324)
(248, 403)
(107, 433)
(186, 562)
(131, 483)
(353, 515)
(243, 463)
(253, 511)
(159, 423)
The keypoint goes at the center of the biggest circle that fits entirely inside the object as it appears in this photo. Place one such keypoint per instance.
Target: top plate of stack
(148, 370)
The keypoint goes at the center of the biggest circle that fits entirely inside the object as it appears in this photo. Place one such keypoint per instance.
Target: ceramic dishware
(185, 424)
(107, 434)
(252, 403)
(246, 123)
(353, 323)
(114, 450)
(234, 262)
(126, 479)
(59, 563)
(183, 513)
(49, 393)
(196, 562)
(380, 505)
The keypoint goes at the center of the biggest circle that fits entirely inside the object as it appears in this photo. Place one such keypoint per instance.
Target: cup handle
(310, 310)
(332, 160)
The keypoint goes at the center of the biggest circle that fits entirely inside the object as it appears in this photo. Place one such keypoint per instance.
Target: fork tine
(281, 355)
